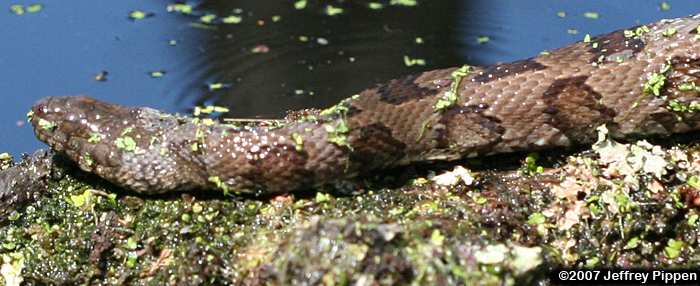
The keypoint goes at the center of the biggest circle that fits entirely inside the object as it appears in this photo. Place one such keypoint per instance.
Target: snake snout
(59, 116)
(46, 113)
(49, 109)
(41, 108)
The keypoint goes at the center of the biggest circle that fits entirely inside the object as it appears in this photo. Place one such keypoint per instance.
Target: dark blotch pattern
(278, 155)
(490, 123)
(684, 71)
(574, 108)
(687, 67)
(660, 123)
(503, 70)
(374, 145)
(398, 91)
(467, 127)
(615, 43)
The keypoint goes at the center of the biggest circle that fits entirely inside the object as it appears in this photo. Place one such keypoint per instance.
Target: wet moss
(506, 226)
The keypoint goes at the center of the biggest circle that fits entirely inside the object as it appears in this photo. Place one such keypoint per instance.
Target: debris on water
(404, 2)
(101, 75)
(233, 19)
(217, 86)
(19, 9)
(300, 4)
(375, 5)
(591, 15)
(157, 74)
(260, 49)
(322, 41)
(408, 61)
(199, 25)
(482, 39)
(207, 19)
(179, 8)
(332, 10)
(34, 8)
(140, 15)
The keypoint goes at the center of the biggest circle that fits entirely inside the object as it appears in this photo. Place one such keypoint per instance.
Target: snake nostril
(40, 108)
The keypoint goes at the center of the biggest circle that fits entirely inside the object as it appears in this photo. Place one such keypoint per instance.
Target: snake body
(639, 82)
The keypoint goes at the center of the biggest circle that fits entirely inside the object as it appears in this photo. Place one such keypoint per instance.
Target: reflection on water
(279, 58)
(271, 56)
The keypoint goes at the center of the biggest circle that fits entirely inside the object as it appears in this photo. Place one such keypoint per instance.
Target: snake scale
(639, 82)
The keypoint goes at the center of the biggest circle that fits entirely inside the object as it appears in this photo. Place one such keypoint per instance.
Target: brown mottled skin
(543, 102)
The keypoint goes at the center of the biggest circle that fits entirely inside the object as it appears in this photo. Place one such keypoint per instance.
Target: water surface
(272, 56)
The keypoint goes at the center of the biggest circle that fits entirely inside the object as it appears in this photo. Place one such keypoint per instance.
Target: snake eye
(40, 108)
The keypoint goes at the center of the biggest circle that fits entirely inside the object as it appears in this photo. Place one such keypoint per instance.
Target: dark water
(278, 57)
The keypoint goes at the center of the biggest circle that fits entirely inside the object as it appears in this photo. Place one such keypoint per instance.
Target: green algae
(375, 5)
(337, 133)
(19, 9)
(221, 185)
(483, 39)
(403, 2)
(180, 8)
(126, 143)
(636, 33)
(338, 129)
(332, 10)
(139, 15)
(657, 81)
(531, 167)
(157, 74)
(449, 98)
(669, 32)
(300, 4)
(298, 141)
(232, 19)
(409, 61)
(95, 138)
(46, 125)
(591, 15)
(500, 229)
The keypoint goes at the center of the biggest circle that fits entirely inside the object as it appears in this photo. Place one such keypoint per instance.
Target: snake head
(137, 148)
(57, 119)
(62, 121)
(78, 127)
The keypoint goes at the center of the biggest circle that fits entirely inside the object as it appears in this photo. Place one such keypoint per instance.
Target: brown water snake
(641, 81)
